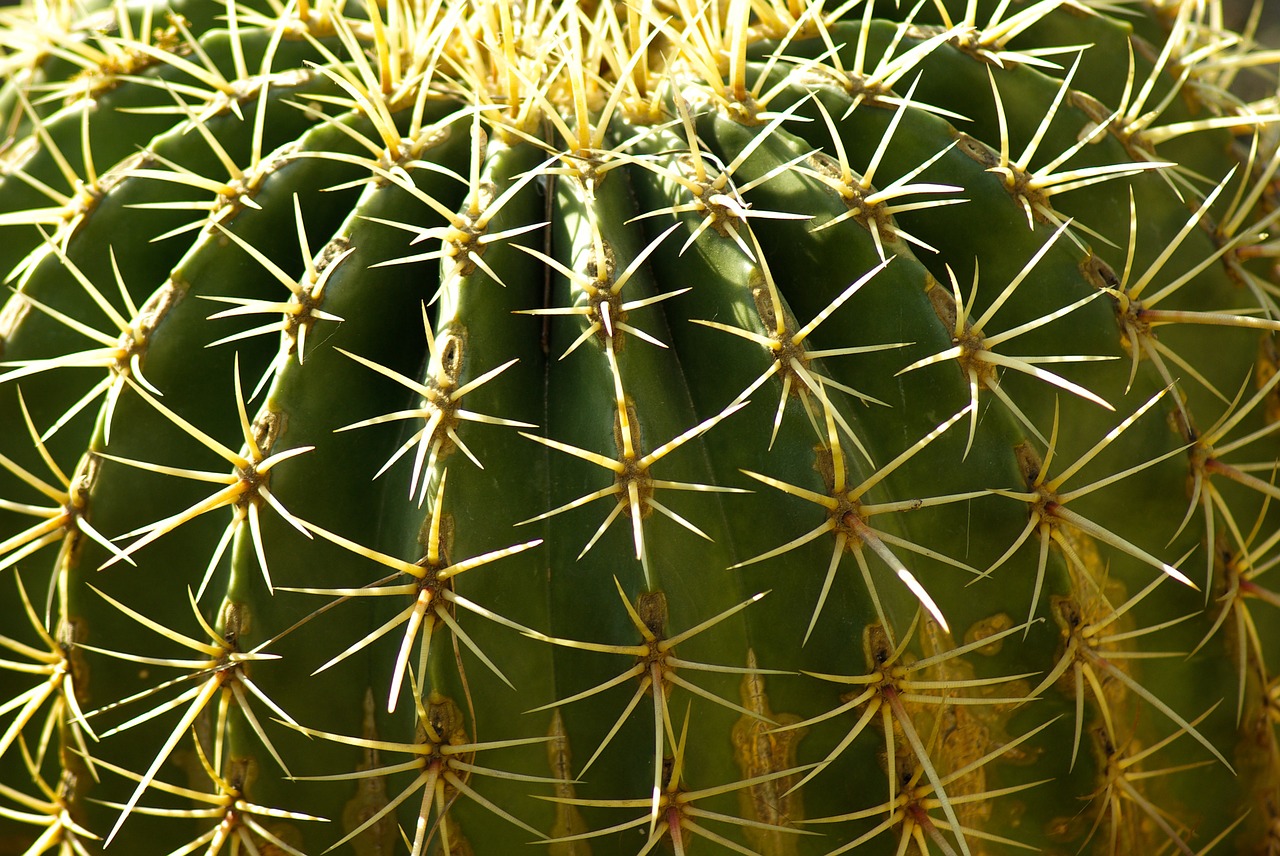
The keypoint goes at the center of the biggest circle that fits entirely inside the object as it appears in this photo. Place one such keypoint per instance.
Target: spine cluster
(766, 428)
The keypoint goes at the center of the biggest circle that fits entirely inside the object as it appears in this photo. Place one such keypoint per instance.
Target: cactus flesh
(748, 426)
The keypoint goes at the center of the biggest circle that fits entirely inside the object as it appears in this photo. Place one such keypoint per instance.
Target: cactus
(761, 427)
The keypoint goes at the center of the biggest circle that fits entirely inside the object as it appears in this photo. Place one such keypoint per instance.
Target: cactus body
(659, 427)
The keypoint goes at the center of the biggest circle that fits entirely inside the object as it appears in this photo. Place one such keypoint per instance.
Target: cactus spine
(761, 427)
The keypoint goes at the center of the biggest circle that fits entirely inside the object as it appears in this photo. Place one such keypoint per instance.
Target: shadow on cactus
(772, 428)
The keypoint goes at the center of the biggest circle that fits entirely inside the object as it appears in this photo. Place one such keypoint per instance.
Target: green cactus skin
(766, 428)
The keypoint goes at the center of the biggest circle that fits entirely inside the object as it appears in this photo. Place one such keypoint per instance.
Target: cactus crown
(758, 425)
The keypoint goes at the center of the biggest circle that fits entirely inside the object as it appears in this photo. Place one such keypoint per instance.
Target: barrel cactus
(752, 426)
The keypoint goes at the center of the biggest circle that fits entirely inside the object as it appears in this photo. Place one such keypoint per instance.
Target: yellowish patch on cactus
(762, 750)
(569, 825)
(920, 778)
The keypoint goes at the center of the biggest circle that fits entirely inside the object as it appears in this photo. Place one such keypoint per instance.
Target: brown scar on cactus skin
(371, 793)
(968, 733)
(986, 630)
(761, 751)
(569, 823)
